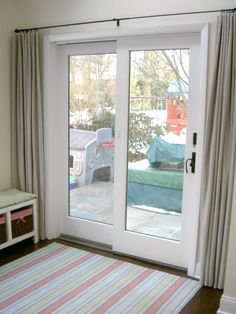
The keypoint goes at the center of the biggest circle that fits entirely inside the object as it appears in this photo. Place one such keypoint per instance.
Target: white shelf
(7, 212)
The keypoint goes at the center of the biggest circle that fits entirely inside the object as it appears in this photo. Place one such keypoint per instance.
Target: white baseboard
(194, 271)
(227, 305)
(197, 271)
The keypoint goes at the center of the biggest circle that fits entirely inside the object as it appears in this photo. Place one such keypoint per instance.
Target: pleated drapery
(27, 107)
(219, 156)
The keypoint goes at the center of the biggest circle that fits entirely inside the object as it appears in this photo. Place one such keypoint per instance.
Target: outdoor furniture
(154, 187)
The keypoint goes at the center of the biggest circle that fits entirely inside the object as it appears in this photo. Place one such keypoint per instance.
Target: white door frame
(54, 182)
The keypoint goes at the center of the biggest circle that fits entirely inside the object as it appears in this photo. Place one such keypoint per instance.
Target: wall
(7, 20)
(230, 280)
(228, 301)
(34, 12)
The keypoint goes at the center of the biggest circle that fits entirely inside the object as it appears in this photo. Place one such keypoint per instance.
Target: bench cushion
(13, 196)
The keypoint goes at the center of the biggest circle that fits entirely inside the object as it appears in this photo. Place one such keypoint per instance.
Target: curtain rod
(118, 20)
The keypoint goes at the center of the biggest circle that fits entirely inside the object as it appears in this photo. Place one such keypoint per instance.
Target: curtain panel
(219, 156)
(28, 118)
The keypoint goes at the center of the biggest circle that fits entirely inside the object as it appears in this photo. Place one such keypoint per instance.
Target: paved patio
(95, 202)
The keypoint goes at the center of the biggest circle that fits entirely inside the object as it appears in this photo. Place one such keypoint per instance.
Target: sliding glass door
(157, 179)
(133, 137)
(91, 140)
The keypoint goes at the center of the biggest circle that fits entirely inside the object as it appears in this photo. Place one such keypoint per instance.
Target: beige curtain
(219, 156)
(28, 117)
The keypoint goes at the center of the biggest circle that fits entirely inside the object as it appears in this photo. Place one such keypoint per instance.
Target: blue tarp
(162, 151)
(154, 196)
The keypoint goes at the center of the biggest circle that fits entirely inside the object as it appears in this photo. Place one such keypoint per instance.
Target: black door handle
(191, 162)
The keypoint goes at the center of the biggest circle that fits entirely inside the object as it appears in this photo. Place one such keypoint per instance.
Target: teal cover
(154, 196)
(162, 151)
(154, 187)
(141, 172)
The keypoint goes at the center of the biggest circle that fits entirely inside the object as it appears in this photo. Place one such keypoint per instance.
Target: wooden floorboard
(206, 301)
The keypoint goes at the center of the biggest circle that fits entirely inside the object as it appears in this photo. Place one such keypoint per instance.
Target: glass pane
(92, 136)
(156, 144)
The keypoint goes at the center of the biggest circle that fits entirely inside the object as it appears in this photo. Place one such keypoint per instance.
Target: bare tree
(174, 59)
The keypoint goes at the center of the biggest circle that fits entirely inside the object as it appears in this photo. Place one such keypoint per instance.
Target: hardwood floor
(206, 301)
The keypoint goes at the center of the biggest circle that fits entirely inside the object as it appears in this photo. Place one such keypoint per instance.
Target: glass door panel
(158, 102)
(92, 79)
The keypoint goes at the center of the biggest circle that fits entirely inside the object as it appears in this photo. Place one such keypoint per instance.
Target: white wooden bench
(18, 217)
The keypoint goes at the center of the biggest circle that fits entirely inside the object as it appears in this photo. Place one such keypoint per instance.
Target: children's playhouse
(91, 156)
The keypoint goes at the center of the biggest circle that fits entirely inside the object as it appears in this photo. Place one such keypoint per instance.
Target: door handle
(191, 162)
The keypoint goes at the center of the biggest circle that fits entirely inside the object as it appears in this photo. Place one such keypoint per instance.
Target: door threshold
(108, 248)
(88, 243)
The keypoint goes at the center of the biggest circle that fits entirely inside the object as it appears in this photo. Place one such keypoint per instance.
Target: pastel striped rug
(62, 279)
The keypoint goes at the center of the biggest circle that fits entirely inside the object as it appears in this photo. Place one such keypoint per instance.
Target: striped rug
(62, 279)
